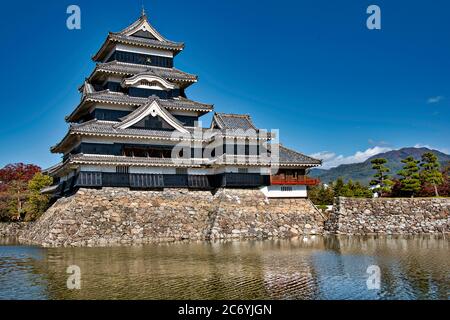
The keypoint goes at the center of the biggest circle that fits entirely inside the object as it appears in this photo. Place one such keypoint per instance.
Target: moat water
(304, 268)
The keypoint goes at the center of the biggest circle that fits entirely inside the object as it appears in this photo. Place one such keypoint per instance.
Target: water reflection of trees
(412, 267)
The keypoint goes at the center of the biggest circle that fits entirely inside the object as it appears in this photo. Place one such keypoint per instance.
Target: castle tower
(133, 114)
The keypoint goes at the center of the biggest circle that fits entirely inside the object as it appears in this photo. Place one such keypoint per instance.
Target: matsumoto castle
(135, 128)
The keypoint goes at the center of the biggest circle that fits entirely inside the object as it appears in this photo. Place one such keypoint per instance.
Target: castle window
(181, 171)
(122, 169)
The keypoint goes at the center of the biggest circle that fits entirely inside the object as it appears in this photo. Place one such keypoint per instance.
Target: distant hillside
(363, 172)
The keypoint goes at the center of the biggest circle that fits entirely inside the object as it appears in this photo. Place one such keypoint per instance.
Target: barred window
(286, 189)
(243, 170)
(181, 171)
(122, 169)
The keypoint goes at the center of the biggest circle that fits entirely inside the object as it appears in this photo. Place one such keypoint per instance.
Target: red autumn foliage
(13, 188)
(17, 172)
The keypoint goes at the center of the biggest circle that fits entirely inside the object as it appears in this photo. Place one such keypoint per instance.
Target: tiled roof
(234, 121)
(169, 45)
(289, 156)
(110, 97)
(131, 69)
(108, 128)
(53, 168)
(175, 103)
(126, 36)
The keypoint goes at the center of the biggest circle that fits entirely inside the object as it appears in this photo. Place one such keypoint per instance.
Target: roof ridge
(83, 124)
(294, 152)
(148, 68)
(234, 114)
(106, 91)
(156, 41)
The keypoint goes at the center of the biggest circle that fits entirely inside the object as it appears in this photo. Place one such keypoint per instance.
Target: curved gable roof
(233, 121)
(289, 156)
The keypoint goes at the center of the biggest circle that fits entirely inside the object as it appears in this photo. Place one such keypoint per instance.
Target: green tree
(321, 195)
(361, 191)
(350, 189)
(430, 171)
(410, 176)
(381, 177)
(338, 187)
(37, 202)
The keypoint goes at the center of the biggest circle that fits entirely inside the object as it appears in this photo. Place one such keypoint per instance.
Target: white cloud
(433, 100)
(324, 155)
(331, 160)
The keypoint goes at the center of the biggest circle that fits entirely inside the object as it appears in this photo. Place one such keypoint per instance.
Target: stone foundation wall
(13, 229)
(389, 216)
(120, 216)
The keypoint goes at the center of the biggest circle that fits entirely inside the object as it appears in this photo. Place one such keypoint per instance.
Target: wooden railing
(294, 181)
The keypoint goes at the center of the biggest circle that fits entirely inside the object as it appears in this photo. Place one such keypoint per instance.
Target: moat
(305, 268)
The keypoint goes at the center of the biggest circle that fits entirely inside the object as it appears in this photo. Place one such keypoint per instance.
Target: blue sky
(309, 68)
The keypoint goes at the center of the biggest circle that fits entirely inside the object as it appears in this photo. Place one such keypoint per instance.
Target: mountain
(363, 172)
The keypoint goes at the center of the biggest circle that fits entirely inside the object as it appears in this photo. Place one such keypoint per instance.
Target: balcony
(283, 180)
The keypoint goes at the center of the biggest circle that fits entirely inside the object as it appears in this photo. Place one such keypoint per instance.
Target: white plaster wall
(235, 169)
(144, 170)
(200, 172)
(142, 86)
(112, 79)
(275, 192)
(112, 107)
(107, 169)
(185, 113)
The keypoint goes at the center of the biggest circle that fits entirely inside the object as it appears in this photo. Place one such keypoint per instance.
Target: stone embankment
(114, 216)
(389, 216)
(120, 216)
(13, 229)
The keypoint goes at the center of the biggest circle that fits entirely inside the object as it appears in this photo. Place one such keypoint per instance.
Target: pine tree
(430, 171)
(410, 176)
(338, 187)
(381, 178)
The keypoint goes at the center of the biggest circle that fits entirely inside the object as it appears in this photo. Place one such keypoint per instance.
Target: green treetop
(430, 171)
(339, 187)
(381, 177)
(37, 203)
(410, 176)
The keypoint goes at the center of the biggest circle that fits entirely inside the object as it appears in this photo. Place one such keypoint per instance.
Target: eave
(89, 100)
(69, 140)
(298, 165)
(113, 39)
(123, 69)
